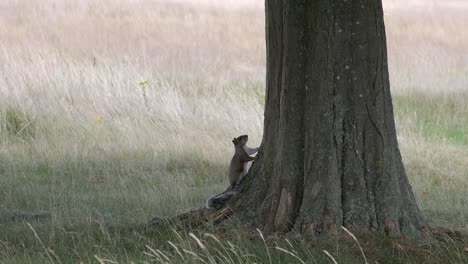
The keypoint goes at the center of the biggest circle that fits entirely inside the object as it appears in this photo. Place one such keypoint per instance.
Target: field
(113, 112)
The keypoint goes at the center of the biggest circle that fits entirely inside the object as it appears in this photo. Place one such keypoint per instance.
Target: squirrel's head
(240, 141)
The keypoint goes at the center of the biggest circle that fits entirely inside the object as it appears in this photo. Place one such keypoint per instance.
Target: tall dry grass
(113, 111)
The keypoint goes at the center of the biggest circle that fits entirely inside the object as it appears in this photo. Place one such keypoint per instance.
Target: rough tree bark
(329, 155)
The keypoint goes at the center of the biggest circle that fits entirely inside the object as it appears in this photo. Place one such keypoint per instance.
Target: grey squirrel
(238, 168)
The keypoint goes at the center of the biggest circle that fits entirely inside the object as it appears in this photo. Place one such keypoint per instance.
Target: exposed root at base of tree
(195, 218)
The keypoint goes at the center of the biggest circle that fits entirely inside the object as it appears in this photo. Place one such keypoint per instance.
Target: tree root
(194, 218)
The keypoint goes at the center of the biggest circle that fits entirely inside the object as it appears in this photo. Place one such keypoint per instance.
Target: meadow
(114, 112)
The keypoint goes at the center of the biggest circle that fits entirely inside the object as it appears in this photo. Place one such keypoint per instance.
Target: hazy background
(114, 111)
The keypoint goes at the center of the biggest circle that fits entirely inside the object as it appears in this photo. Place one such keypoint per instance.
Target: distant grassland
(112, 112)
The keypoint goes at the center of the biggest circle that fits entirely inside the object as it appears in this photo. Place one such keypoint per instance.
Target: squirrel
(238, 168)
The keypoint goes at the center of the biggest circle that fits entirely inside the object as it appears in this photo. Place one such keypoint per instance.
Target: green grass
(436, 118)
(124, 187)
(433, 139)
(16, 125)
(100, 195)
(228, 244)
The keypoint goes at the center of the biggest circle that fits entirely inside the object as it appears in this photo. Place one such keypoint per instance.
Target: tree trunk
(329, 155)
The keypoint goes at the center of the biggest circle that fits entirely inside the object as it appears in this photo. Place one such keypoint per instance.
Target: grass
(17, 125)
(441, 118)
(111, 114)
(209, 245)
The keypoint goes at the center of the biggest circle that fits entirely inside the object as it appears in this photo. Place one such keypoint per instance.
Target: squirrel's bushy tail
(218, 200)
